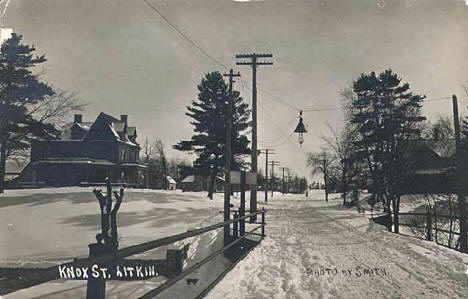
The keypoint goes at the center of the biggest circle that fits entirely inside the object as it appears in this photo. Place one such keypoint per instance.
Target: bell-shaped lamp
(300, 130)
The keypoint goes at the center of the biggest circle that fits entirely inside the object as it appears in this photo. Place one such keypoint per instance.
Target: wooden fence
(238, 247)
(427, 224)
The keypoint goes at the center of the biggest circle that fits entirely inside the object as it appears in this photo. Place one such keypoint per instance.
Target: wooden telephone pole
(460, 188)
(227, 159)
(325, 178)
(254, 63)
(283, 188)
(268, 151)
(272, 184)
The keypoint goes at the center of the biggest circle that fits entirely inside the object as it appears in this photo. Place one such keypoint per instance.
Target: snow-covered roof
(134, 164)
(170, 180)
(66, 129)
(113, 130)
(116, 129)
(12, 167)
(433, 170)
(189, 179)
(131, 131)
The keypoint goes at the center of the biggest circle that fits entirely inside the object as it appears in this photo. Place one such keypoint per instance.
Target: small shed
(188, 183)
(171, 183)
(195, 182)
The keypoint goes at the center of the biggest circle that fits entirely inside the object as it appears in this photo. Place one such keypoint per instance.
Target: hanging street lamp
(300, 129)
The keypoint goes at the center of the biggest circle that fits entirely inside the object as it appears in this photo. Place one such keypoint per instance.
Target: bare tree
(340, 145)
(321, 164)
(159, 146)
(148, 150)
(52, 110)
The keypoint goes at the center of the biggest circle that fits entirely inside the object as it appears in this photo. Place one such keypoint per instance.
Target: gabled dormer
(103, 129)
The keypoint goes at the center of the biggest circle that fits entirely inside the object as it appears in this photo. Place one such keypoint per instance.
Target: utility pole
(267, 152)
(283, 186)
(227, 159)
(272, 184)
(325, 178)
(460, 188)
(254, 63)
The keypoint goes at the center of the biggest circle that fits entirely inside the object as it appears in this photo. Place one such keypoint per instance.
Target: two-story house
(86, 153)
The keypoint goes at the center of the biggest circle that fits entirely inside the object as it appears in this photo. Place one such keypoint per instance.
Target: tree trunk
(396, 212)
(388, 210)
(343, 183)
(211, 185)
(2, 165)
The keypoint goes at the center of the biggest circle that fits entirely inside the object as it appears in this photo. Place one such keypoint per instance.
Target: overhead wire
(261, 90)
(188, 39)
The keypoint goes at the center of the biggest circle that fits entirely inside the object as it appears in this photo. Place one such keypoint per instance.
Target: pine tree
(387, 116)
(20, 91)
(209, 113)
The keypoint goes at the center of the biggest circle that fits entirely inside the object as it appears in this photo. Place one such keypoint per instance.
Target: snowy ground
(45, 227)
(313, 249)
(319, 250)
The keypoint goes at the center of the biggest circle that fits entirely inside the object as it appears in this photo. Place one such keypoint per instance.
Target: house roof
(170, 180)
(189, 179)
(13, 167)
(105, 127)
(131, 131)
(66, 129)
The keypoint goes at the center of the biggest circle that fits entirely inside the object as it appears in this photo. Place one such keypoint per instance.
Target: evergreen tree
(20, 92)
(387, 116)
(209, 114)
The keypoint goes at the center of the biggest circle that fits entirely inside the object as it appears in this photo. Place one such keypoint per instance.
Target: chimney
(124, 119)
(78, 118)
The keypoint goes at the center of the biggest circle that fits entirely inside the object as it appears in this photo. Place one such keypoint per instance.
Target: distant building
(87, 153)
(429, 171)
(171, 183)
(198, 182)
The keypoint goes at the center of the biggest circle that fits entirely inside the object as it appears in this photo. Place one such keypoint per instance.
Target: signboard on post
(250, 178)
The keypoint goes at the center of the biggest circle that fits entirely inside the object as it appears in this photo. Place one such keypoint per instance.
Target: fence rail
(170, 282)
(42, 275)
(431, 227)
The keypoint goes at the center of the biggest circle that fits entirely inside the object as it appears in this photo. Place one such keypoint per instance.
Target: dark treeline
(383, 124)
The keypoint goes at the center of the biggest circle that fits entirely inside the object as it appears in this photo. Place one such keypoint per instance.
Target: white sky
(123, 58)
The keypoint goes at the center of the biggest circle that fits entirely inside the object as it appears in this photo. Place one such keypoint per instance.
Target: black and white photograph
(270, 149)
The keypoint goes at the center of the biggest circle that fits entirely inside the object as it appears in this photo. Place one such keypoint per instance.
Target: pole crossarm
(254, 55)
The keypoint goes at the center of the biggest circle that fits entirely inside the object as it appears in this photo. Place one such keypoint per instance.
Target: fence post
(242, 204)
(429, 226)
(235, 226)
(389, 221)
(96, 288)
(263, 223)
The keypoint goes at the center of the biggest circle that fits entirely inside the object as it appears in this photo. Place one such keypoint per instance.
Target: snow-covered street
(319, 250)
(313, 249)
